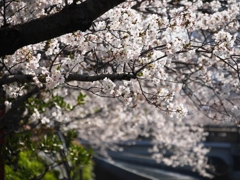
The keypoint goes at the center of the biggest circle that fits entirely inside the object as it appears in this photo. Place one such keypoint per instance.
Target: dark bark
(72, 77)
(71, 18)
(2, 135)
(21, 78)
(113, 77)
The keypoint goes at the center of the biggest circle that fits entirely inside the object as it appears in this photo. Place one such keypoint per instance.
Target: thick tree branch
(72, 77)
(16, 78)
(86, 78)
(71, 18)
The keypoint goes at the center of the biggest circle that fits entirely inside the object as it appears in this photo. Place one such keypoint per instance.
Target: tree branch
(71, 18)
(72, 77)
(16, 78)
(86, 78)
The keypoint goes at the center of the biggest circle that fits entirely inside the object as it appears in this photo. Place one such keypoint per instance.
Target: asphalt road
(116, 170)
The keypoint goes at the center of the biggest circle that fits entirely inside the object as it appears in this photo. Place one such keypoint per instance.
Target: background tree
(140, 63)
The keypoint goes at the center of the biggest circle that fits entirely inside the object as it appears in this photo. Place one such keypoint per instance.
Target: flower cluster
(13, 90)
(175, 58)
(55, 79)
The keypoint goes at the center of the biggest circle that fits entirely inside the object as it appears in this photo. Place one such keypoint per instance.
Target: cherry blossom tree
(116, 70)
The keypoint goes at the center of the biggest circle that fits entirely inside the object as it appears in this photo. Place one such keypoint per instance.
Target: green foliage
(52, 175)
(37, 152)
(50, 143)
(86, 172)
(37, 103)
(28, 156)
(11, 174)
(140, 74)
(80, 98)
(71, 134)
(79, 155)
(28, 167)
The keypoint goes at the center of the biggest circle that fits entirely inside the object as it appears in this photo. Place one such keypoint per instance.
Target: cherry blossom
(147, 68)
